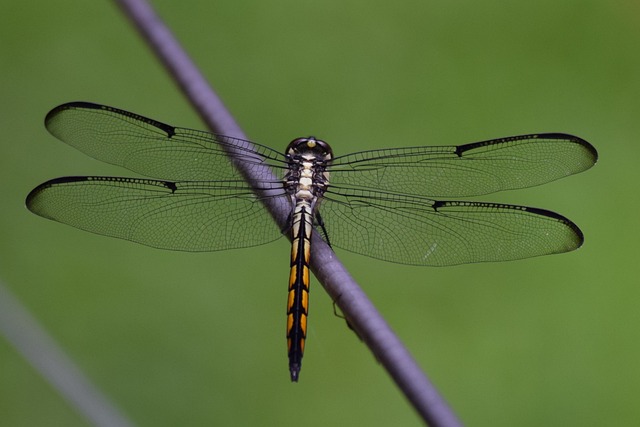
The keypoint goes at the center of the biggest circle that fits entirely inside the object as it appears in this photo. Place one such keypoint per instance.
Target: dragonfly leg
(320, 223)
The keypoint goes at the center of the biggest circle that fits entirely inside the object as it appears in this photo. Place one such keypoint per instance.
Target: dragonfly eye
(309, 144)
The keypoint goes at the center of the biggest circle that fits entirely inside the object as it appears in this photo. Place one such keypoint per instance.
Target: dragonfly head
(310, 147)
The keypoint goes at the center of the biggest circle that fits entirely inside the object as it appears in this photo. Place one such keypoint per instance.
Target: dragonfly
(398, 204)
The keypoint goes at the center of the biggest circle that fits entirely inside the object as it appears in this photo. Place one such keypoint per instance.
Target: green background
(198, 339)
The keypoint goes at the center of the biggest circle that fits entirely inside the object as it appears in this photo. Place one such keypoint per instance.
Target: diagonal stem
(357, 308)
(21, 329)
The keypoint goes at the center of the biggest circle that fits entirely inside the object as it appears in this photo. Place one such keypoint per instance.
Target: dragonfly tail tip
(295, 372)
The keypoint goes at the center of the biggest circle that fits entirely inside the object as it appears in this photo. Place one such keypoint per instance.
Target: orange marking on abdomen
(289, 324)
(291, 300)
(303, 325)
(293, 276)
(305, 277)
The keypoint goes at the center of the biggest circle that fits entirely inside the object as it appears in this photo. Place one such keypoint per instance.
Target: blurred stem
(49, 359)
(354, 304)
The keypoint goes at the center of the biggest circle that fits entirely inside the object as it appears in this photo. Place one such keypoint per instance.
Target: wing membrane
(185, 216)
(421, 231)
(152, 148)
(467, 170)
(378, 203)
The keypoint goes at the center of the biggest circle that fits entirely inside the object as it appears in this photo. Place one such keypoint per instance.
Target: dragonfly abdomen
(298, 301)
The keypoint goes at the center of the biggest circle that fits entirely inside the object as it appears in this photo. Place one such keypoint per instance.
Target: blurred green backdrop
(198, 339)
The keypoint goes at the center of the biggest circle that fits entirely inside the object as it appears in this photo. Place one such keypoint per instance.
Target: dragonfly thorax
(308, 158)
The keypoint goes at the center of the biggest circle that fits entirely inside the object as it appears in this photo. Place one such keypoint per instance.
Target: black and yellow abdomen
(298, 301)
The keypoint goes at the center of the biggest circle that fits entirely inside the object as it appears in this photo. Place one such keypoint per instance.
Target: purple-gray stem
(353, 302)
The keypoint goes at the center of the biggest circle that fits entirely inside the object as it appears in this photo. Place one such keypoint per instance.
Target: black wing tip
(84, 105)
(579, 235)
(33, 194)
(593, 153)
(29, 201)
(70, 106)
(575, 139)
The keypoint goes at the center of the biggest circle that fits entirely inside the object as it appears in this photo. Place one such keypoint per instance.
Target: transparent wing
(185, 216)
(422, 231)
(152, 148)
(368, 209)
(467, 170)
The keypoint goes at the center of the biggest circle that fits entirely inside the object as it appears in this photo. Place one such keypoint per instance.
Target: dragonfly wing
(152, 148)
(421, 231)
(467, 170)
(185, 216)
